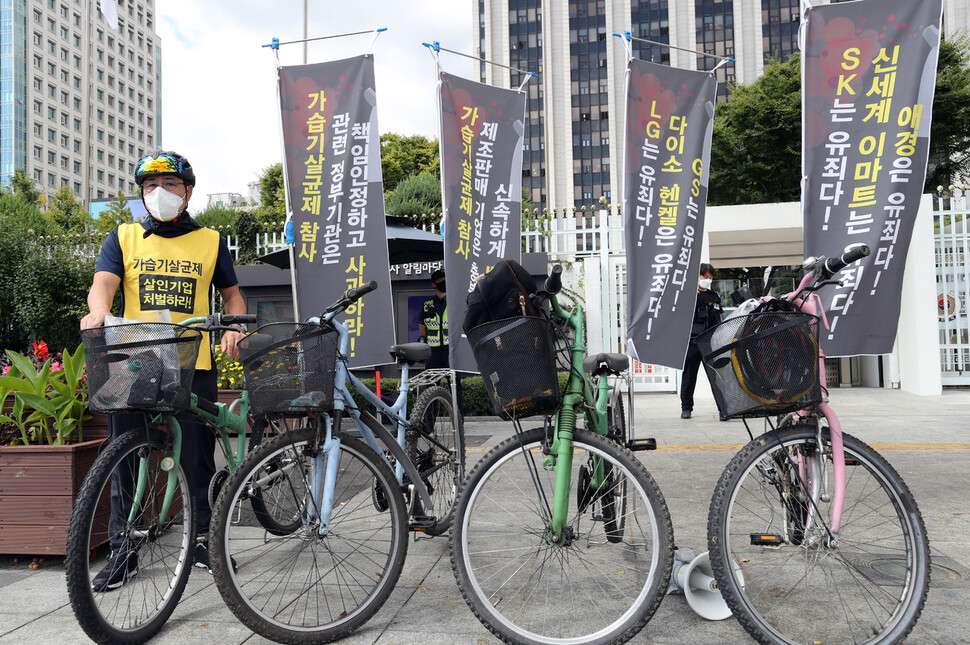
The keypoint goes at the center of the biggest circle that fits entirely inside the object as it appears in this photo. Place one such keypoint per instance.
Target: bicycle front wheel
(437, 449)
(588, 588)
(314, 584)
(127, 596)
(784, 576)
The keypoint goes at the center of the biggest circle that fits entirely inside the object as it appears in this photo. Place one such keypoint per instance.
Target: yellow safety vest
(169, 273)
(437, 326)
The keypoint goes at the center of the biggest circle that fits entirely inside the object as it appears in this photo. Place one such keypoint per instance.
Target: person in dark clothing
(180, 260)
(707, 313)
(433, 328)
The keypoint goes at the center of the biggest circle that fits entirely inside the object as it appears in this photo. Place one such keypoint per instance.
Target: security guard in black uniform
(707, 313)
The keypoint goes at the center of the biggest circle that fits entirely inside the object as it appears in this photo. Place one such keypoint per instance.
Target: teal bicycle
(147, 368)
(561, 535)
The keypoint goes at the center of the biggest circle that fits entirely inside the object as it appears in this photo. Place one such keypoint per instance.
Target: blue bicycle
(345, 497)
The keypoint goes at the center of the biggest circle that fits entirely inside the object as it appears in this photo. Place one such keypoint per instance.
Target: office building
(575, 110)
(79, 101)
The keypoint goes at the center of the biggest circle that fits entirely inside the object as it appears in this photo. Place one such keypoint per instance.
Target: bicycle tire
(869, 588)
(138, 609)
(281, 586)
(614, 506)
(525, 590)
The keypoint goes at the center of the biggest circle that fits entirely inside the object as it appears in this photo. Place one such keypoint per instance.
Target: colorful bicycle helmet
(164, 163)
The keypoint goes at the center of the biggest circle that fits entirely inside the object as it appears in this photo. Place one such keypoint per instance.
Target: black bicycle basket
(517, 360)
(140, 366)
(289, 368)
(763, 363)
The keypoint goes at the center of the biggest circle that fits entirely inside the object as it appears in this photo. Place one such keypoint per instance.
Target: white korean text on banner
(868, 78)
(669, 122)
(481, 178)
(335, 191)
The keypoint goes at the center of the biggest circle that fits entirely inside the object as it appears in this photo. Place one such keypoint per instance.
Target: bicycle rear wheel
(437, 449)
(614, 506)
(589, 589)
(778, 570)
(154, 559)
(307, 586)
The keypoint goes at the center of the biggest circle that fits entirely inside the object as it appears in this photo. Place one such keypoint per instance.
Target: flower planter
(38, 485)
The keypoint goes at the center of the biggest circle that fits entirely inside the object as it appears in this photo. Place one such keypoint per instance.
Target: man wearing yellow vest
(166, 262)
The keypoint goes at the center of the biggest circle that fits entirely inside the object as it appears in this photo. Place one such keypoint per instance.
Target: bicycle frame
(578, 392)
(368, 426)
(809, 305)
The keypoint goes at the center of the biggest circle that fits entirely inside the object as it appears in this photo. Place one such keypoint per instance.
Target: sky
(219, 100)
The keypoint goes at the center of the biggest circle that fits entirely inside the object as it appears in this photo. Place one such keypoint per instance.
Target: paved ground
(927, 439)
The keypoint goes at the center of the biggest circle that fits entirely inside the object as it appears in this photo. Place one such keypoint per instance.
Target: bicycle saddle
(606, 362)
(411, 353)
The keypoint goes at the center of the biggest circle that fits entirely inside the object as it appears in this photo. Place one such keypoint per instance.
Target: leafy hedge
(44, 288)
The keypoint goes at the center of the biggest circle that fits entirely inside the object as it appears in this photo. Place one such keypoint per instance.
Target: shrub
(50, 295)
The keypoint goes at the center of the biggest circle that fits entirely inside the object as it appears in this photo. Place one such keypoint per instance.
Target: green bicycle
(147, 368)
(561, 535)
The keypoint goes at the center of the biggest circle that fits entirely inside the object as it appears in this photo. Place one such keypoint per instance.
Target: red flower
(40, 351)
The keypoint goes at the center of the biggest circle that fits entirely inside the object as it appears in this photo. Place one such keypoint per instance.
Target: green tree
(416, 196)
(66, 213)
(116, 213)
(403, 157)
(23, 187)
(272, 192)
(949, 136)
(757, 141)
(247, 230)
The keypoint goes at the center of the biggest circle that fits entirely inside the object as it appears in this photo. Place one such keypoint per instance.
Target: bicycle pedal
(761, 539)
(636, 445)
(421, 522)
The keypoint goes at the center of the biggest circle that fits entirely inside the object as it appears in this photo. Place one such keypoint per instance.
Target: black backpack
(501, 293)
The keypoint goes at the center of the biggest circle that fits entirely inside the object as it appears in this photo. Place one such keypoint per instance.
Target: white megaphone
(695, 578)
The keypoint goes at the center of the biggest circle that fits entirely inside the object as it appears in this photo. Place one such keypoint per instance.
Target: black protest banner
(335, 191)
(669, 122)
(868, 77)
(481, 178)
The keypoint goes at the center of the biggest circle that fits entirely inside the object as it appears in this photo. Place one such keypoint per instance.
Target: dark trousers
(689, 379)
(198, 458)
(439, 360)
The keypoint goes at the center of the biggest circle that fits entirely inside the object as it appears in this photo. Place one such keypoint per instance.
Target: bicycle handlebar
(233, 319)
(350, 297)
(554, 281)
(831, 266)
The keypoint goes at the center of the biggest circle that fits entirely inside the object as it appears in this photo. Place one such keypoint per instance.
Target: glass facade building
(79, 101)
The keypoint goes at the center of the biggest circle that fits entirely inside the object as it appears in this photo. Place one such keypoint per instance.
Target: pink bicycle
(813, 536)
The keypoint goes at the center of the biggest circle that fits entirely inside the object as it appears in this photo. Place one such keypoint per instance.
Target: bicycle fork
(323, 477)
(169, 464)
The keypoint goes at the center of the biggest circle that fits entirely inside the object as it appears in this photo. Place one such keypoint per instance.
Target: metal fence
(952, 244)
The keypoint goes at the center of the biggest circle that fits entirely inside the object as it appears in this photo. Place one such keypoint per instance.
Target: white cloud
(219, 103)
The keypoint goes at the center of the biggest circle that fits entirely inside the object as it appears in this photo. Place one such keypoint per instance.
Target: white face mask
(704, 283)
(163, 205)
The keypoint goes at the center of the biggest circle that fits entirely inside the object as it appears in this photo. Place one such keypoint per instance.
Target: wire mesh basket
(517, 360)
(289, 368)
(140, 366)
(763, 364)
